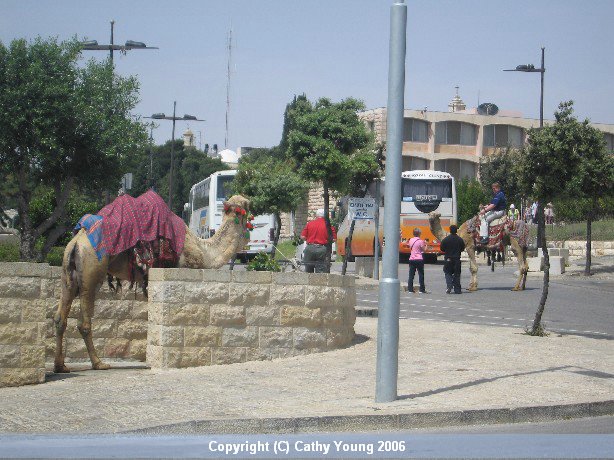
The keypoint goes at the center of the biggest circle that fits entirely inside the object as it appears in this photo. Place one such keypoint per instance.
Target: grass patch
(602, 230)
(285, 250)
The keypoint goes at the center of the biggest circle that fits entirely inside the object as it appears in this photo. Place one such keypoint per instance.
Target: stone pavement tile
(448, 374)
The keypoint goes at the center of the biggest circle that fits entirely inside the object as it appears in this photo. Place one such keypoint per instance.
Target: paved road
(575, 305)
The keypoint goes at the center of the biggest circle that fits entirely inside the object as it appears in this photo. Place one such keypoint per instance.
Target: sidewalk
(449, 374)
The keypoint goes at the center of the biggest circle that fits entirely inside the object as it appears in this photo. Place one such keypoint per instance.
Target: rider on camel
(495, 210)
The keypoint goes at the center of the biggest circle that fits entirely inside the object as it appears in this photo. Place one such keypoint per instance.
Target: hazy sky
(336, 49)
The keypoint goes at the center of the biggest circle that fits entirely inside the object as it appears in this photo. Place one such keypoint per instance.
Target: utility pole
(228, 86)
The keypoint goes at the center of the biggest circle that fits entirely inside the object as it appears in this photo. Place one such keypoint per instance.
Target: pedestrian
(452, 246)
(416, 261)
(549, 214)
(513, 213)
(534, 212)
(315, 235)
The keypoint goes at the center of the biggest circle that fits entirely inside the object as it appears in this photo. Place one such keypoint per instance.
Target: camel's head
(237, 207)
(434, 215)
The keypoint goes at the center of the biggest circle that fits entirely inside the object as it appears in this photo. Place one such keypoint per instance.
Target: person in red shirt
(315, 235)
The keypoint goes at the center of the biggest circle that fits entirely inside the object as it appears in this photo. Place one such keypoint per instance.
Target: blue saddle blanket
(93, 227)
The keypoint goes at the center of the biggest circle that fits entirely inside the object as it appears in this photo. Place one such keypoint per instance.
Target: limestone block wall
(578, 248)
(203, 317)
(119, 324)
(24, 295)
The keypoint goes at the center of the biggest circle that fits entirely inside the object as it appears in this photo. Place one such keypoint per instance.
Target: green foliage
(272, 185)
(469, 195)
(62, 125)
(330, 143)
(501, 167)
(9, 252)
(263, 262)
(43, 203)
(575, 209)
(546, 168)
(55, 256)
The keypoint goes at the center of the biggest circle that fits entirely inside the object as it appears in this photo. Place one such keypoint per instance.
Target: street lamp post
(174, 118)
(542, 71)
(92, 45)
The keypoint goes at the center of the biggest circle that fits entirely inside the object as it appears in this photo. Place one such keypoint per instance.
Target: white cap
(512, 206)
(320, 213)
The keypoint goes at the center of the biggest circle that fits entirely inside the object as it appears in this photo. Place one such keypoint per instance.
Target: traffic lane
(576, 306)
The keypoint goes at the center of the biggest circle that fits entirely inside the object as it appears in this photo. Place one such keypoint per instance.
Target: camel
(519, 251)
(83, 274)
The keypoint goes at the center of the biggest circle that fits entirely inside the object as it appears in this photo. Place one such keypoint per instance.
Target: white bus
(422, 191)
(205, 210)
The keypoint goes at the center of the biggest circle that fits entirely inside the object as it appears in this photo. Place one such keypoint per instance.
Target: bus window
(415, 187)
(224, 187)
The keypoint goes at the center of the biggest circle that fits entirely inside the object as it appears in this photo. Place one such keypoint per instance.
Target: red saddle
(502, 226)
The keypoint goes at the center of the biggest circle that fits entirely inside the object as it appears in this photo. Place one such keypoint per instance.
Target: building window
(460, 169)
(503, 136)
(455, 133)
(415, 130)
(414, 163)
(609, 141)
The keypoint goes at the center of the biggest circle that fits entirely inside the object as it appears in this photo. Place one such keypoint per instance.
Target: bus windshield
(224, 187)
(440, 188)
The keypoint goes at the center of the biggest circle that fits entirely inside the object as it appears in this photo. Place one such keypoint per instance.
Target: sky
(335, 49)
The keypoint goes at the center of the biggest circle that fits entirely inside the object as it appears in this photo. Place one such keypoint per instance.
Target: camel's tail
(68, 263)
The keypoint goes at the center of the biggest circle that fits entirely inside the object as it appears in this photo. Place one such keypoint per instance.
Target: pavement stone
(449, 374)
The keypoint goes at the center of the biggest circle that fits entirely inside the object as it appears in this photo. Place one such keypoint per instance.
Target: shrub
(9, 252)
(263, 262)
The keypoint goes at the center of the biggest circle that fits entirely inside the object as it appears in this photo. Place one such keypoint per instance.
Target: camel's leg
(522, 265)
(93, 276)
(526, 266)
(69, 292)
(473, 268)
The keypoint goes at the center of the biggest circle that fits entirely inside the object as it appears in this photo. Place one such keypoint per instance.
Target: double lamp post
(174, 118)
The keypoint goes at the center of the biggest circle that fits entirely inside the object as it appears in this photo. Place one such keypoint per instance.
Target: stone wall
(25, 292)
(196, 317)
(578, 248)
(203, 317)
(119, 325)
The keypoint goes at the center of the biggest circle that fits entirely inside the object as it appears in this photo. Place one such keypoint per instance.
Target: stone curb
(384, 422)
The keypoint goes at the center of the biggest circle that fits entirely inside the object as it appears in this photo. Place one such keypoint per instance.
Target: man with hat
(315, 235)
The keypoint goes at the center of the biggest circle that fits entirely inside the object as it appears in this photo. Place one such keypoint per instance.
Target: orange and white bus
(422, 191)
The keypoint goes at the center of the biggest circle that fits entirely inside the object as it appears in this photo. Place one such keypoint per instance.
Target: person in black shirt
(452, 245)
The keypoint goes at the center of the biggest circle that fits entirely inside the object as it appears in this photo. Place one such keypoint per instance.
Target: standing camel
(520, 251)
(83, 273)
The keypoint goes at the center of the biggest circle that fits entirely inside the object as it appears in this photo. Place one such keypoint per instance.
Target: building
(455, 141)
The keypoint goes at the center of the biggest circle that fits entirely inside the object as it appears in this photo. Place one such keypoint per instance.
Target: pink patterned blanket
(128, 220)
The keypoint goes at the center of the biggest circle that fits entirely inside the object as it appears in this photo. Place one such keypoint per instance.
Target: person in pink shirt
(416, 261)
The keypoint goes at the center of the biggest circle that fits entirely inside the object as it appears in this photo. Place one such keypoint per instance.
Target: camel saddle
(145, 224)
(497, 230)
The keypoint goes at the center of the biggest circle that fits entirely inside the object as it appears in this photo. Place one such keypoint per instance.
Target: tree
(593, 179)
(330, 144)
(62, 126)
(545, 170)
(469, 195)
(272, 184)
(499, 167)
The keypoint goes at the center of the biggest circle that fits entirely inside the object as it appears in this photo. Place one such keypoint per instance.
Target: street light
(162, 116)
(92, 45)
(541, 70)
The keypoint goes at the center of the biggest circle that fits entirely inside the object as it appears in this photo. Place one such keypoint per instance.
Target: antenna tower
(228, 86)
